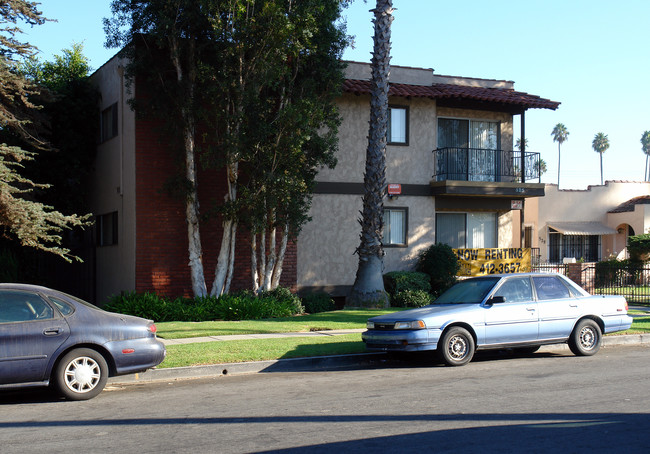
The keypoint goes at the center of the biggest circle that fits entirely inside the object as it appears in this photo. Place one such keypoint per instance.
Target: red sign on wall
(394, 189)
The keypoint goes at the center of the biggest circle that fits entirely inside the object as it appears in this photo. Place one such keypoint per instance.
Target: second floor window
(109, 123)
(458, 133)
(398, 125)
(106, 226)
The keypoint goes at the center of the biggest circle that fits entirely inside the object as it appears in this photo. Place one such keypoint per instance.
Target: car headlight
(370, 325)
(416, 324)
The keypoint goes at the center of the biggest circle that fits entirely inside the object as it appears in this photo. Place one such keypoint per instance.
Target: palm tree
(560, 135)
(645, 146)
(600, 145)
(368, 288)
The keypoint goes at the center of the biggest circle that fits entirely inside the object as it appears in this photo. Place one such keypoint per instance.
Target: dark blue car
(50, 338)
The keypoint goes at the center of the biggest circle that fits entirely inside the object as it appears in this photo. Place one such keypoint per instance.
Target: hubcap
(82, 374)
(587, 338)
(458, 347)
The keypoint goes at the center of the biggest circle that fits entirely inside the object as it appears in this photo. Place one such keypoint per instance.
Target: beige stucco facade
(326, 245)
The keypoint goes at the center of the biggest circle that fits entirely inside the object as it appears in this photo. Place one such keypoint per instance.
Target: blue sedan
(502, 311)
(50, 338)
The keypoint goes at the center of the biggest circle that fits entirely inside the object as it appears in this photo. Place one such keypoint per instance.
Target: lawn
(294, 347)
(324, 321)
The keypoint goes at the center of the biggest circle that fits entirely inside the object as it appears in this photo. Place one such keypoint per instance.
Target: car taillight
(152, 329)
(627, 308)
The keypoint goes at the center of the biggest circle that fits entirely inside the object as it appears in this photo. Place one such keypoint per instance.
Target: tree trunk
(558, 165)
(601, 168)
(195, 251)
(368, 289)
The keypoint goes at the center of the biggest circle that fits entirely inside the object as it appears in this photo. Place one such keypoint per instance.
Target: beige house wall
(115, 157)
(592, 205)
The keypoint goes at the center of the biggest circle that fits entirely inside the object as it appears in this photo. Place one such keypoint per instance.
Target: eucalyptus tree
(600, 144)
(560, 135)
(23, 135)
(368, 287)
(257, 79)
(645, 146)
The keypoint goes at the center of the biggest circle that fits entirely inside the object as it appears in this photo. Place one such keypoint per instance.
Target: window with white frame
(395, 226)
(467, 230)
(398, 125)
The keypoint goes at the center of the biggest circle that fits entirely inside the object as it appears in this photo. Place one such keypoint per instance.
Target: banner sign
(480, 262)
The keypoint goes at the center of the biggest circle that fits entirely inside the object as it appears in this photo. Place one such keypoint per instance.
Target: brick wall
(161, 231)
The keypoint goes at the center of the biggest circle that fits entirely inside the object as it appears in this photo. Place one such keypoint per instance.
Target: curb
(310, 364)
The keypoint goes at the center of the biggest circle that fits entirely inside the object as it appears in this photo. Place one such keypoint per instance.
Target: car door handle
(530, 309)
(52, 332)
(573, 305)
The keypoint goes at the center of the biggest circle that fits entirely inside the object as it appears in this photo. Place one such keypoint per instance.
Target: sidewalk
(311, 364)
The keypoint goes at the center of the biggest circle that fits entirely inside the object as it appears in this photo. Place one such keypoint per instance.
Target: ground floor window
(467, 230)
(106, 225)
(579, 247)
(395, 227)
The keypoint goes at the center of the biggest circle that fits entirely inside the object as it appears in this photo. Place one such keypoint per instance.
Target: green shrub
(639, 247)
(318, 302)
(237, 306)
(441, 264)
(411, 298)
(398, 281)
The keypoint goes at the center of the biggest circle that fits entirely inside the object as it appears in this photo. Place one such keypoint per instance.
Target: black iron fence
(630, 281)
(477, 164)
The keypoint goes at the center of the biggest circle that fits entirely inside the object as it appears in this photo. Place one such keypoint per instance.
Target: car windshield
(468, 291)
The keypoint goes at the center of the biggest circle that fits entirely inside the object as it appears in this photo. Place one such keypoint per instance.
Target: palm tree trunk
(558, 165)
(601, 168)
(368, 289)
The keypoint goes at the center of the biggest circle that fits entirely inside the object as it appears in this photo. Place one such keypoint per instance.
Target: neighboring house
(450, 151)
(450, 158)
(588, 225)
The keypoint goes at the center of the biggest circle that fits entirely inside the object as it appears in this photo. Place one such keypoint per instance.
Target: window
(471, 149)
(586, 247)
(467, 230)
(550, 288)
(516, 290)
(109, 123)
(18, 306)
(468, 134)
(395, 227)
(398, 131)
(106, 229)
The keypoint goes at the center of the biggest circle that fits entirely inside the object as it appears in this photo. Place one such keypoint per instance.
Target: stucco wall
(592, 204)
(114, 186)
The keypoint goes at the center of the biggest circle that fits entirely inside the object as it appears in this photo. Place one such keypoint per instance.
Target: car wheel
(586, 338)
(457, 346)
(81, 374)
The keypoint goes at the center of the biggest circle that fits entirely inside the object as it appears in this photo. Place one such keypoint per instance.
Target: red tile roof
(629, 205)
(449, 91)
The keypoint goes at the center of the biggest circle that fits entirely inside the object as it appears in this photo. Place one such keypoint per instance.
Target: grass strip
(324, 321)
(203, 353)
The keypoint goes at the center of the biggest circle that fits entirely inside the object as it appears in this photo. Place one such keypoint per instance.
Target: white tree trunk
(277, 272)
(195, 251)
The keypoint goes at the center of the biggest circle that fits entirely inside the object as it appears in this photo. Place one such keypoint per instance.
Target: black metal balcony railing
(476, 164)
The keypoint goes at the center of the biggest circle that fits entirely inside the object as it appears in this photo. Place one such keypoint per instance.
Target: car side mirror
(496, 300)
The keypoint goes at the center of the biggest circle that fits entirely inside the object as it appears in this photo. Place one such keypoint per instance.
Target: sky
(592, 56)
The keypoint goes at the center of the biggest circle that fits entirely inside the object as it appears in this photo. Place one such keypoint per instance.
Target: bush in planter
(441, 264)
(318, 302)
(398, 281)
(411, 298)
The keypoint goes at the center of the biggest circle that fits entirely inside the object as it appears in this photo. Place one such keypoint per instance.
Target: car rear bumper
(136, 355)
(400, 340)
